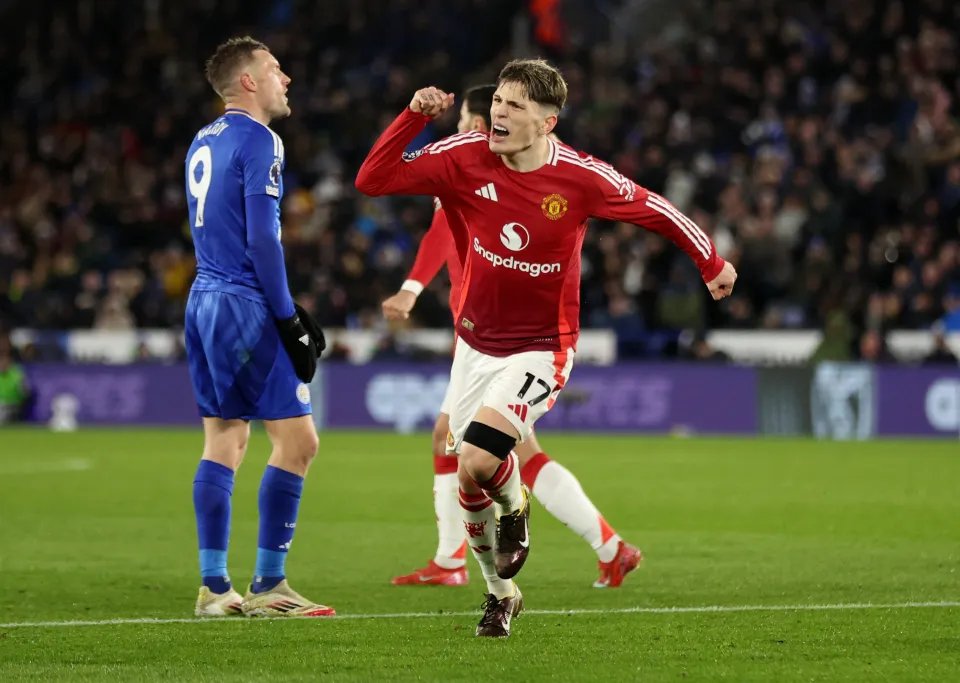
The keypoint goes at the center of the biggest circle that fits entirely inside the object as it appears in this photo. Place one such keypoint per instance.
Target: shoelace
(491, 615)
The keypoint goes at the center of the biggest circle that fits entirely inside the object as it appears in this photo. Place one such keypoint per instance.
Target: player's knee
(468, 484)
(295, 444)
(228, 450)
(481, 440)
(242, 441)
(309, 445)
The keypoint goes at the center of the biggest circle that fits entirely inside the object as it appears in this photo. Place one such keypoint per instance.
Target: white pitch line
(706, 609)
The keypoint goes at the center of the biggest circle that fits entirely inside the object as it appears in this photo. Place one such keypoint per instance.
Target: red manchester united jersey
(521, 233)
(436, 249)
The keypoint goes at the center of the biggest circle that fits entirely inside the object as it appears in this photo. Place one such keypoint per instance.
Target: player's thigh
(225, 441)
(471, 374)
(527, 386)
(201, 377)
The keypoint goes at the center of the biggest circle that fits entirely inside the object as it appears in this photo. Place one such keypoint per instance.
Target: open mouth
(499, 132)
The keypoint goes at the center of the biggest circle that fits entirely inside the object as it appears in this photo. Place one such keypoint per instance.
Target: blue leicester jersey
(230, 159)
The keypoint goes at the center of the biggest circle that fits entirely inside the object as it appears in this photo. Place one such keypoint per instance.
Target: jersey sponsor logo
(554, 206)
(515, 237)
(532, 269)
(275, 172)
(303, 393)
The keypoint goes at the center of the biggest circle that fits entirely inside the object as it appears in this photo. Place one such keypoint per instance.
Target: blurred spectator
(14, 389)
(873, 348)
(837, 340)
(941, 353)
(816, 143)
(699, 349)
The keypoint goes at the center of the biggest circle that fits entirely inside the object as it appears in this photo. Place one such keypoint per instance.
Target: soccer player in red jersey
(553, 484)
(518, 205)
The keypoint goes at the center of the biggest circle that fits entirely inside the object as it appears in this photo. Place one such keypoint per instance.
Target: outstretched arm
(619, 198)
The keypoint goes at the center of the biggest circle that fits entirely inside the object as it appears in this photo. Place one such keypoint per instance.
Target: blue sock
(212, 489)
(279, 501)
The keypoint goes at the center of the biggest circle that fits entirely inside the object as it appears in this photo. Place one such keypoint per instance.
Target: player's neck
(530, 159)
(250, 108)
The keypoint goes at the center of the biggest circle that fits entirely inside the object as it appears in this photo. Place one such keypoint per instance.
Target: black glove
(300, 347)
(313, 328)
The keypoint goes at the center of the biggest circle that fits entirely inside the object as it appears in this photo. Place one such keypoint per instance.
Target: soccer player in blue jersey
(251, 350)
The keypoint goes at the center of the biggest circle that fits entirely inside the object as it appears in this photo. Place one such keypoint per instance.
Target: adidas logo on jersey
(488, 191)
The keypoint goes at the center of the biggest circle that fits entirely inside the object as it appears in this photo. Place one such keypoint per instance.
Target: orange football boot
(613, 573)
(434, 575)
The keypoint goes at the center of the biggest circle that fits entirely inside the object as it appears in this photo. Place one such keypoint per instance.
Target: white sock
(563, 497)
(451, 548)
(503, 488)
(480, 524)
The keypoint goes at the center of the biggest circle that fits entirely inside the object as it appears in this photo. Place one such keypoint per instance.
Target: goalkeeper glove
(313, 328)
(300, 347)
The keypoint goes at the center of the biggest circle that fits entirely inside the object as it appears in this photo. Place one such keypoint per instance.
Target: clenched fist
(398, 306)
(431, 102)
(722, 285)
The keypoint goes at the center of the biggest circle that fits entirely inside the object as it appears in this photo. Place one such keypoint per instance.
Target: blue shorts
(238, 365)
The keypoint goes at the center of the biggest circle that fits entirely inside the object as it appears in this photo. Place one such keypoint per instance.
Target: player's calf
(225, 442)
(294, 447)
(451, 548)
(487, 457)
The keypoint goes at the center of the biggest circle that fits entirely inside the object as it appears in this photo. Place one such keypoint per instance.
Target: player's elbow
(368, 183)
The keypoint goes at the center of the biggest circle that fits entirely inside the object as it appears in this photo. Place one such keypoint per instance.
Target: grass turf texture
(98, 525)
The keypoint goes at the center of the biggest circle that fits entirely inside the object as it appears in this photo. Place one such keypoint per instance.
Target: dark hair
(541, 81)
(233, 54)
(479, 98)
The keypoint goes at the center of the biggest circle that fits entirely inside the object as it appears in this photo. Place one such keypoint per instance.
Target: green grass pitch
(98, 526)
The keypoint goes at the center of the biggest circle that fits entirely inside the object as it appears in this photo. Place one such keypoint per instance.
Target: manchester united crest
(554, 206)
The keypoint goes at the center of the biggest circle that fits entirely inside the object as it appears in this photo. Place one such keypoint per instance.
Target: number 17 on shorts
(521, 387)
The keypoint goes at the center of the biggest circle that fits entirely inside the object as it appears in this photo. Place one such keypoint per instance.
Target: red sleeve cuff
(712, 268)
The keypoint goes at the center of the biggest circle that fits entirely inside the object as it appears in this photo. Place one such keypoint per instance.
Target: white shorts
(447, 400)
(521, 387)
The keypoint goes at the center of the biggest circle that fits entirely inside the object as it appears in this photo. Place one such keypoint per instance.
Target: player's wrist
(713, 268)
(412, 286)
(290, 324)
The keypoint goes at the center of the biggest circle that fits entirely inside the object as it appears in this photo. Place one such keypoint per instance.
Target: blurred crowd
(816, 142)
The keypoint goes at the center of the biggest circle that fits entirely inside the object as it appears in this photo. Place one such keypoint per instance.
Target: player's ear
(247, 81)
(549, 124)
(479, 124)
